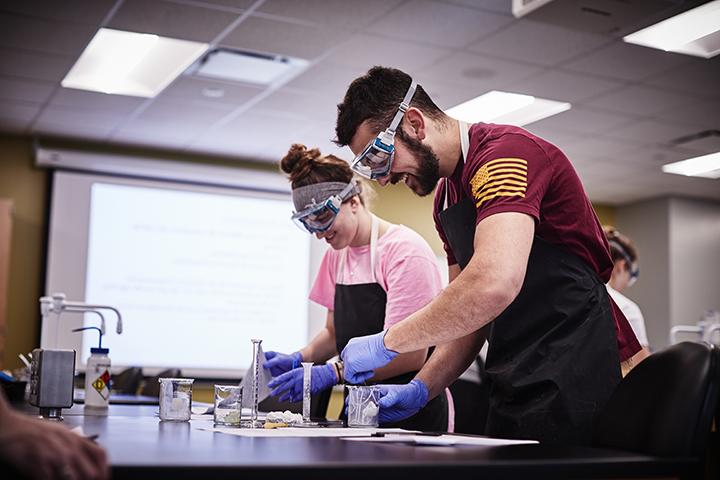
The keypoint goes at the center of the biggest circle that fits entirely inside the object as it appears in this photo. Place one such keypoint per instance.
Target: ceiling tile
(651, 131)
(171, 20)
(327, 79)
(584, 121)
(703, 113)
(28, 33)
(283, 38)
(190, 88)
(558, 137)
(653, 157)
(320, 135)
(639, 100)
(555, 84)
(78, 11)
(480, 72)
(87, 131)
(74, 120)
(12, 88)
(353, 15)
(300, 104)
(439, 24)
(361, 51)
(528, 40)
(447, 95)
(151, 132)
(586, 147)
(252, 134)
(15, 117)
(626, 62)
(170, 111)
(34, 65)
(100, 102)
(698, 77)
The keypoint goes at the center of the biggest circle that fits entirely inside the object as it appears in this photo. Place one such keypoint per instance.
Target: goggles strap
(404, 105)
(632, 267)
(346, 192)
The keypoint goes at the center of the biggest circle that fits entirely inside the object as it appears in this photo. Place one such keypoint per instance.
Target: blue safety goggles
(319, 217)
(375, 160)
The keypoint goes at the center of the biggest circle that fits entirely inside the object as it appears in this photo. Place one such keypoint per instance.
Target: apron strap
(373, 243)
(465, 146)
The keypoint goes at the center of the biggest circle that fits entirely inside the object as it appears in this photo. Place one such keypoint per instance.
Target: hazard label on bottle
(101, 385)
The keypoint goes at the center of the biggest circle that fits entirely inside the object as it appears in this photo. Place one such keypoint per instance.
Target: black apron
(552, 359)
(359, 310)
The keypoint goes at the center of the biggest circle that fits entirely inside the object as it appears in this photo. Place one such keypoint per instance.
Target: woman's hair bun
(298, 162)
(610, 232)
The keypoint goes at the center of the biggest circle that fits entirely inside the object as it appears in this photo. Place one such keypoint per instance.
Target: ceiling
(628, 102)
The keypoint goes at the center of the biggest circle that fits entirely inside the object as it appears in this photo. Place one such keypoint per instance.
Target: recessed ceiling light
(506, 107)
(128, 63)
(707, 166)
(248, 67)
(695, 32)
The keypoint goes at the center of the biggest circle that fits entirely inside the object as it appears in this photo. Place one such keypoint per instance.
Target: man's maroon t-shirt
(508, 169)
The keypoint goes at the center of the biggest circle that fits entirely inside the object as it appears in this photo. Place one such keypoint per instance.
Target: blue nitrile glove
(362, 355)
(279, 363)
(289, 385)
(398, 402)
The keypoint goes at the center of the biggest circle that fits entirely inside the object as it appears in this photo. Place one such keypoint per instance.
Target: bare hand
(42, 450)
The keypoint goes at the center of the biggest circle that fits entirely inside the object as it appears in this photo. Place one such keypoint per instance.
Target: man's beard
(428, 173)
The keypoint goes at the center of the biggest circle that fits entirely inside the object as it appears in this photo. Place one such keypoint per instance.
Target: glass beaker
(363, 409)
(175, 399)
(228, 405)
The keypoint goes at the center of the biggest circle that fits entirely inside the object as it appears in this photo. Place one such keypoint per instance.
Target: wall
(397, 204)
(648, 224)
(27, 187)
(694, 259)
(678, 241)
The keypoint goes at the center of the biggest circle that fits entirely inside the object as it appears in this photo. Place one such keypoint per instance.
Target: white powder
(283, 417)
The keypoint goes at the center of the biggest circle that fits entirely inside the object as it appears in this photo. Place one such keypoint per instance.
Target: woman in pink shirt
(375, 275)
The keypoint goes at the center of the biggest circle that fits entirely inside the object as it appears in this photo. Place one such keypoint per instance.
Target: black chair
(151, 386)
(665, 405)
(128, 381)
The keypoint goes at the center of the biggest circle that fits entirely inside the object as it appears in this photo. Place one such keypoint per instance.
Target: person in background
(625, 273)
(374, 275)
(527, 263)
(37, 449)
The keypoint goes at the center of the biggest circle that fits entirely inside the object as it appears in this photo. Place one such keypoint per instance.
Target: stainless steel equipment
(52, 375)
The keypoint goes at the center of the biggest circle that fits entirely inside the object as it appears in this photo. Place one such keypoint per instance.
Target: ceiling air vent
(248, 67)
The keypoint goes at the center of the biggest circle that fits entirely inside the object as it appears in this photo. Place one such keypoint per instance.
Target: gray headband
(315, 193)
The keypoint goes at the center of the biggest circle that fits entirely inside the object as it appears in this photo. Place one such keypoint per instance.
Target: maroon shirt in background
(508, 169)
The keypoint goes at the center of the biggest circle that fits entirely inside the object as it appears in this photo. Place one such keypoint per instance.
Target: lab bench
(140, 446)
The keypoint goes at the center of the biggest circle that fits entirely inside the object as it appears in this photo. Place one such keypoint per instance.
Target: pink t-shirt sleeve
(323, 290)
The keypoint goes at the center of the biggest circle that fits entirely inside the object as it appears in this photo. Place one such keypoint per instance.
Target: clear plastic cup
(363, 409)
(175, 399)
(228, 405)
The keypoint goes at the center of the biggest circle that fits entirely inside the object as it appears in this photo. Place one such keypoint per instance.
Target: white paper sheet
(444, 440)
(302, 432)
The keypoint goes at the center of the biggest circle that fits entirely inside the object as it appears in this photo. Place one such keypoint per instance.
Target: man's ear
(415, 123)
